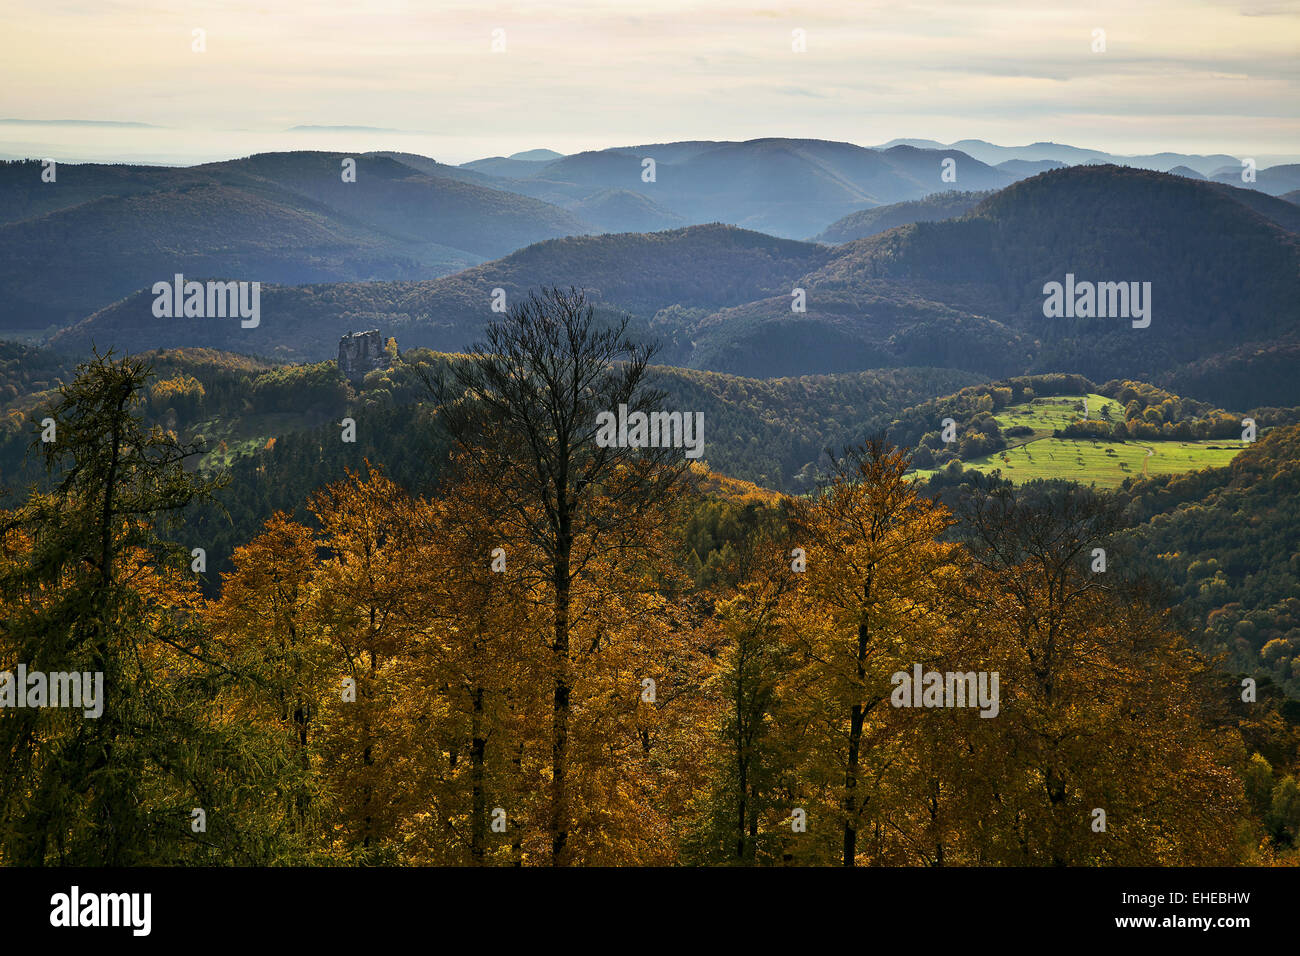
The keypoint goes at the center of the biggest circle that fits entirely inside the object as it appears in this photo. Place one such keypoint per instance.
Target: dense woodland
(503, 644)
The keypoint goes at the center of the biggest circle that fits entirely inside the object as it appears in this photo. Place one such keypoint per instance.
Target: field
(1047, 414)
(1089, 461)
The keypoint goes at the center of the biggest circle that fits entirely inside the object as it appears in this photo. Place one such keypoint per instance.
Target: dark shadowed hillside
(869, 222)
(965, 293)
(1222, 275)
(99, 232)
(706, 267)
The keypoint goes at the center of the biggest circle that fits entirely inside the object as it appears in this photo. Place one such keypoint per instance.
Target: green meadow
(1044, 415)
(1089, 461)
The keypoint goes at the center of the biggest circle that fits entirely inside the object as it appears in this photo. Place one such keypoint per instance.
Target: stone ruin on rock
(362, 352)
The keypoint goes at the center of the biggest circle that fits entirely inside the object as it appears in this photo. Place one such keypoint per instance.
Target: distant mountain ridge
(1073, 155)
(796, 188)
(289, 218)
(791, 188)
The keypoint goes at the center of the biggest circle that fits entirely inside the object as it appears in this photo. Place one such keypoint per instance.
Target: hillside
(281, 218)
(1024, 168)
(621, 210)
(1221, 275)
(1220, 540)
(1037, 444)
(1225, 539)
(869, 222)
(767, 431)
(429, 206)
(1275, 180)
(701, 266)
(1210, 510)
(966, 293)
(289, 219)
(56, 268)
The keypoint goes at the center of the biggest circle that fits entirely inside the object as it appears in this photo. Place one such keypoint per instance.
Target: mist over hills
(1276, 180)
(1072, 155)
(786, 187)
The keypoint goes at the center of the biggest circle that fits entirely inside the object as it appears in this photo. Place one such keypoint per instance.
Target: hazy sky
(583, 74)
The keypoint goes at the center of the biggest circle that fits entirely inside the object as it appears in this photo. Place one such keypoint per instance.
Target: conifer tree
(89, 585)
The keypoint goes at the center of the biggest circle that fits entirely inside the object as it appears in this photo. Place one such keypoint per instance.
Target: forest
(535, 650)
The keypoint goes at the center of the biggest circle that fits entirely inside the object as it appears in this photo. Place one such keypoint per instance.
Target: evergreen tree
(89, 586)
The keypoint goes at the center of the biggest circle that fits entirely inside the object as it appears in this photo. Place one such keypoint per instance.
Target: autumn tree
(267, 624)
(362, 589)
(876, 578)
(521, 413)
(1097, 681)
(749, 635)
(474, 662)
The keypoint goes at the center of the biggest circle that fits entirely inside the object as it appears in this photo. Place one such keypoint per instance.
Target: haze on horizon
(1193, 77)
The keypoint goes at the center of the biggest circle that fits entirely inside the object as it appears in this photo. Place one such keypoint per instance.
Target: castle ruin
(362, 352)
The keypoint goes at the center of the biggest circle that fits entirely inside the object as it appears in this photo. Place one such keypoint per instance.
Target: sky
(1194, 77)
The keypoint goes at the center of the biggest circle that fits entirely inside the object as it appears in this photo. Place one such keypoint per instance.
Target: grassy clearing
(1090, 462)
(1045, 415)
(229, 439)
(1105, 464)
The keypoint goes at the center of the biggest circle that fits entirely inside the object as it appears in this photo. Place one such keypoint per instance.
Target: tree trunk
(478, 750)
(516, 845)
(742, 811)
(560, 713)
(857, 717)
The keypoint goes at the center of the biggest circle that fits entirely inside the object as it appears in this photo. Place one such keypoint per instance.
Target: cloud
(601, 71)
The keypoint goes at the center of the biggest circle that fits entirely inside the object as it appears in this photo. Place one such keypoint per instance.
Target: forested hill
(1221, 275)
(703, 267)
(1228, 540)
(1218, 267)
(361, 611)
(275, 428)
(869, 222)
(97, 233)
